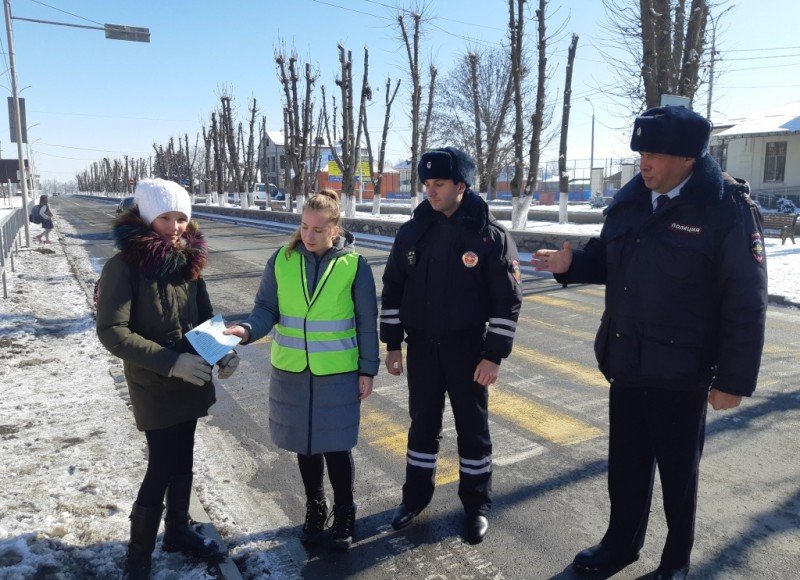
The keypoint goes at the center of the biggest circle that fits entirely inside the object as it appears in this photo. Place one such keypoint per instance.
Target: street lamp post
(591, 153)
(18, 122)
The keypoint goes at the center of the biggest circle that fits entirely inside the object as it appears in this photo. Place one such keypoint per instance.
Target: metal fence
(10, 227)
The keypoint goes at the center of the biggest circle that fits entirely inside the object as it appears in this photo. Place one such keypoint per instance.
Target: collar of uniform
(672, 193)
(704, 187)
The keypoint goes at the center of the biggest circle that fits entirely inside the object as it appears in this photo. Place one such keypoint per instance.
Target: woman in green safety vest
(319, 296)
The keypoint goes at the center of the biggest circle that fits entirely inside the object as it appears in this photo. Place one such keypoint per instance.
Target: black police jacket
(686, 287)
(447, 276)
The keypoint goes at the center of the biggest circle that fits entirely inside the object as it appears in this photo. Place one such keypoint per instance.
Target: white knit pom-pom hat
(157, 196)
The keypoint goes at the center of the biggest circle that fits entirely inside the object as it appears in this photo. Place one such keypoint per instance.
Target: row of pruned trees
(495, 103)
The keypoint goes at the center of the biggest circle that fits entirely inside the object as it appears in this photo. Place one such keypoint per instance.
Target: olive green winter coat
(149, 295)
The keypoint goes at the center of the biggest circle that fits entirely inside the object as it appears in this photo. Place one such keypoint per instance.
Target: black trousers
(446, 366)
(341, 472)
(170, 452)
(652, 427)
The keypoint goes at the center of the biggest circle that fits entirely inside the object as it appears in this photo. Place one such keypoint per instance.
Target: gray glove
(228, 364)
(192, 369)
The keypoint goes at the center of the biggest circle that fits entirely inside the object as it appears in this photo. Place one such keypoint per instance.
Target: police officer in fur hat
(451, 290)
(682, 258)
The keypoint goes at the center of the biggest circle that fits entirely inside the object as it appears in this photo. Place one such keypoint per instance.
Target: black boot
(343, 528)
(144, 529)
(316, 514)
(179, 535)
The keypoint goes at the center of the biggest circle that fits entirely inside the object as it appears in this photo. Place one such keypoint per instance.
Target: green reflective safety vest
(316, 332)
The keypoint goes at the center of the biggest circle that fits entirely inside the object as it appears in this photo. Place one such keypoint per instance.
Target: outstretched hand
(237, 330)
(555, 261)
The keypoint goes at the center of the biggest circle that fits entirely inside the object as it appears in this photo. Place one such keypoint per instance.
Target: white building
(764, 150)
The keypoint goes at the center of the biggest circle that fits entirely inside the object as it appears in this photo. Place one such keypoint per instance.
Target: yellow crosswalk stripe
(559, 328)
(565, 304)
(379, 430)
(266, 339)
(540, 420)
(562, 366)
(599, 291)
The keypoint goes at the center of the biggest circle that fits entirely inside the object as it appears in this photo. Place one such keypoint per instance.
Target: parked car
(126, 203)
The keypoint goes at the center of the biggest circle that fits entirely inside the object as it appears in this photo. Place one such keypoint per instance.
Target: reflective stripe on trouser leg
(470, 401)
(425, 407)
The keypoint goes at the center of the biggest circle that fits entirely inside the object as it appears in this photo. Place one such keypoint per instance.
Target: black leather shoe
(477, 526)
(671, 573)
(403, 516)
(601, 559)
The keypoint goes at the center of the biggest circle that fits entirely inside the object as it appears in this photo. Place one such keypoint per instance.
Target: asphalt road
(549, 424)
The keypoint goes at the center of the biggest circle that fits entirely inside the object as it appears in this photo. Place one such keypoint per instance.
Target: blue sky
(88, 97)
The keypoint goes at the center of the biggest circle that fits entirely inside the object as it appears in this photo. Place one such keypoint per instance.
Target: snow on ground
(72, 458)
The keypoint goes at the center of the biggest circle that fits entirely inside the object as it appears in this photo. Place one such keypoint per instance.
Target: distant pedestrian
(319, 295)
(681, 254)
(451, 290)
(150, 295)
(46, 216)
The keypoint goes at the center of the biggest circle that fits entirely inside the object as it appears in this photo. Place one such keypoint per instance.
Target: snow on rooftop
(783, 119)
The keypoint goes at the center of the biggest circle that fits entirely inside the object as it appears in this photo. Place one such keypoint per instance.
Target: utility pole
(714, 53)
(18, 129)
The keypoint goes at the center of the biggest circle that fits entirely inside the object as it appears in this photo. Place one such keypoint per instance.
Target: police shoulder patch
(757, 247)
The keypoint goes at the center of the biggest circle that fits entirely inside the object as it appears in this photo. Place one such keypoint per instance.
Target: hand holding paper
(210, 342)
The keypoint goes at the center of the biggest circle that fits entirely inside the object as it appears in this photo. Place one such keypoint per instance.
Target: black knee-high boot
(179, 536)
(144, 529)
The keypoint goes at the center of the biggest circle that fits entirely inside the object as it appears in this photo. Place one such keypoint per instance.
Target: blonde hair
(325, 201)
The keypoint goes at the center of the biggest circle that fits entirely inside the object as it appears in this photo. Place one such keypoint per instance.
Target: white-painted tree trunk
(376, 205)
(562, 207)
(519, 212)
(300, 201)
(484, 196)
(350, 206)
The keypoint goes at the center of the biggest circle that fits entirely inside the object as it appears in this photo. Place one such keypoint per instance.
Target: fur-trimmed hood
(157, 258)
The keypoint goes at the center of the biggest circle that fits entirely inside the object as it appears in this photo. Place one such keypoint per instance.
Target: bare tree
(538, 119)
(516, 21)
(377, 171)
(563, 176)
(298, 116)
(664, 41)
(411, 43)
(207, 139)
(217, 143)
(350, 140)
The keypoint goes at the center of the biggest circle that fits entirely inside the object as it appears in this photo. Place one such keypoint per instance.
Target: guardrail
(10, 227)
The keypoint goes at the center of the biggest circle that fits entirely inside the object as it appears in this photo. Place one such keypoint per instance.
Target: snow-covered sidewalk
(71, 456)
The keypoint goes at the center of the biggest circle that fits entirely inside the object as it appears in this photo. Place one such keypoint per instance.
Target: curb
(227, 568)
(782, 301)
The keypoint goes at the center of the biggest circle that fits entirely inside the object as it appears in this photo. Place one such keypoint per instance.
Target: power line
(760, 57)
(758, 49)
(113, 117)
(89, 149)
(437, 17)
(65, 12)
(351, 9)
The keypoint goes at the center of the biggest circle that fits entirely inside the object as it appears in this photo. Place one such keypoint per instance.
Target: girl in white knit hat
(150, 294)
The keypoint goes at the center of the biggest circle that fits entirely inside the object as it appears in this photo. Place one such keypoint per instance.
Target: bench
(780, 225)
